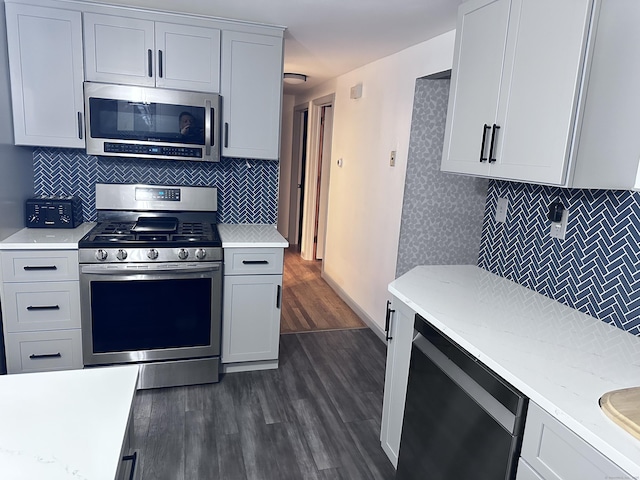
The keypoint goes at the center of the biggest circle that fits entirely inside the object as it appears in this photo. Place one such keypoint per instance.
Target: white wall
(365, 194)
(16, 163)
(284, 181)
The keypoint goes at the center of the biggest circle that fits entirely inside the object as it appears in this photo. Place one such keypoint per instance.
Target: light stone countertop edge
(560, 358)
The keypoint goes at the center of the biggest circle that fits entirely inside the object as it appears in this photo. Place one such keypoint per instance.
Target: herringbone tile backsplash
(247, 189)
(596, 269)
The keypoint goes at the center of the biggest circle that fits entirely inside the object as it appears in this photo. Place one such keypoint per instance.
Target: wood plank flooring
(308, 302)
(317, 417)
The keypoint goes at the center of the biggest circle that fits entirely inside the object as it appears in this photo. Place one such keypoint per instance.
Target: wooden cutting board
(623, 407)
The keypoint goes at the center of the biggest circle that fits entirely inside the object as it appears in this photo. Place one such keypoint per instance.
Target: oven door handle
(101, 270)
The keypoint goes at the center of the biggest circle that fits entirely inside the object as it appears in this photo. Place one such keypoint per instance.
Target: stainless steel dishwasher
(461, 421)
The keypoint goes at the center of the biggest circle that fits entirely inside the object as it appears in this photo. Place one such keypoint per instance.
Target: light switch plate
(501, 210)
(559, 229)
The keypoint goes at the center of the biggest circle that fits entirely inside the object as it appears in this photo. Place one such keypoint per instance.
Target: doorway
(317, 169)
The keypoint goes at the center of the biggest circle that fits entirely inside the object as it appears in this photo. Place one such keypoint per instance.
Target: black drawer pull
(40, 267)
(33, 356)
(150, 62)
(43, 307)
(255, 262)
(134, 460)
(279, 297)
(226, 135)
(160, 63)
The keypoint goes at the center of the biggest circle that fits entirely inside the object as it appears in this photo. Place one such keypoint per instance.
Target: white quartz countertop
(239, 236)
(65, 425)
(561, 359)
(46, 238)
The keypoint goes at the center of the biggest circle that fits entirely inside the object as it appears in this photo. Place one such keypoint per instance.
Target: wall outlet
(559, 229)
(392, 158)
(501, 210)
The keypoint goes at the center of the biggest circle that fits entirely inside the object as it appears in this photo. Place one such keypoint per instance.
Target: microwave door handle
(208, 129)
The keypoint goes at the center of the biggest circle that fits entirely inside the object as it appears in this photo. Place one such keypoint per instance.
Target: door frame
(311, 175)
(298, 151)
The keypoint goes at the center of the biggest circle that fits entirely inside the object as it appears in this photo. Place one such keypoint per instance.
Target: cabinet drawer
(38, 266)
(42, 351)
(556, 453)
(253, 261)
(41, 306)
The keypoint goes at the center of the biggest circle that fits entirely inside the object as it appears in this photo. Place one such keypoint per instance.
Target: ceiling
(327, 38)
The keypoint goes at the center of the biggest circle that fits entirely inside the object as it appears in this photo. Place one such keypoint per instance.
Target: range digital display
(163, 194)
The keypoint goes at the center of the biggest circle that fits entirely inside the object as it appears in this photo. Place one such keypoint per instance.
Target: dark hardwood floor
(316, 417)
(308, 302)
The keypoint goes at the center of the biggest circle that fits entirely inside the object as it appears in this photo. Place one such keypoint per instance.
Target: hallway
(308, 302)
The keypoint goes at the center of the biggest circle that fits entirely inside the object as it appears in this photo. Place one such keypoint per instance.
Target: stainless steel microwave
(147, 122)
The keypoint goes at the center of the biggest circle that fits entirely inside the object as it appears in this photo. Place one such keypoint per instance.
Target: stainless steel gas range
(151, 283)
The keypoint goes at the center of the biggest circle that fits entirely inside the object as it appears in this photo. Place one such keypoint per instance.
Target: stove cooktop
(139, 234)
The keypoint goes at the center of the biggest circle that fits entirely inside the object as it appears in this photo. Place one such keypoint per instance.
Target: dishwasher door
(461, 421)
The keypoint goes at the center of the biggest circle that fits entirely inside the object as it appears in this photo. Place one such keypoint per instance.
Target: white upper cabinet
(133, 51)
(473, 104)
(528, 91)
(251, 89)
(46, 70)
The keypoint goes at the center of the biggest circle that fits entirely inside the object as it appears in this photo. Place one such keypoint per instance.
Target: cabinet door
(251, 318)
(251, 86)
(541, 83)
(395, 380)
(45, 63)
(475, 85)
(119, 50)
(556, 453)
(188, 57)
(525, 472)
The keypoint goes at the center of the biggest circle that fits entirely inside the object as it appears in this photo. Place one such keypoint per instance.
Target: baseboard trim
(373, 326)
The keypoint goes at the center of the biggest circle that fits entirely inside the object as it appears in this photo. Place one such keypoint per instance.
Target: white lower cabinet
(550, 451)
(43, 351)
(396, 376)
(251, 307)
(40, 298)
(525, 472)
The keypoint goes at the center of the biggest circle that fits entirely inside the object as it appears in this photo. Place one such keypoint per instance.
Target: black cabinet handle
(226, 134)
(43, 307)
(160, 63)
(29, 268)
(214, 140)
(255, 262)
(279, 297)
(150, 62)
(484, 141)
(33, 356)
(80, 125)
(388, 321)
(494, 135)
(134, 461)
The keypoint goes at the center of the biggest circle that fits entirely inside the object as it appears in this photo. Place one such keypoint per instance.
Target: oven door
(150, 312)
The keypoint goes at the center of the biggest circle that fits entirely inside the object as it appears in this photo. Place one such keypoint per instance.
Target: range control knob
(121, 255)
(183, 254)
(101, 255)
(201, 253)
(152, 254)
